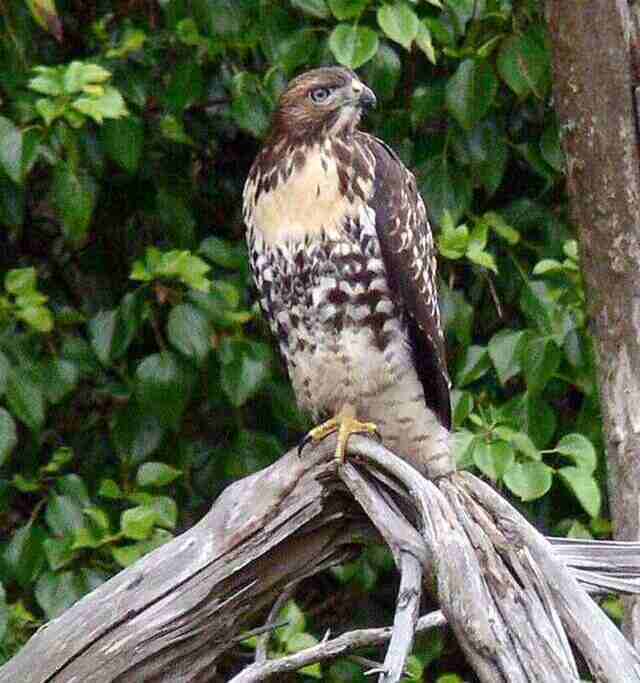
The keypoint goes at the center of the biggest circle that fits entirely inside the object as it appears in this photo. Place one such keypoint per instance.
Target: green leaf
(585, 488)
(11, 149)
(223, 253)
(491, 169)
(61, 456)
(185, 87)
(73, 486)
(540, 360)
(524, 65)
(60, 379)
(4, 372)
(482, 258)
(505, 353)
(127, 555)
(176, 264)
(110, 489)
(74, 195)
(580, 450)
(4, 613)
(245, 369)
(8, 435)
(470, 92)
(136, 433)
(25, 400)
(123, 141)
(292, 614)
(24, 554)
(19, 281)
(166, 511)
(415, 669)
(462, 402)
(59, 552)
(383, 72)
(295, 49)
(550, 147)
(137, 523)
(64, 515)
(314, 8)
(163, 387)
(532, 415)
(49, 81)
(50, 110)
(78, 75)
(453, 240)
(12, 203)
(156, 474)
(177, 216)
(493, 459)
(501, 227)
(189, 332)
(31, 148)
(347, 9)
(248, 106)
(108, 105)
(172, 129)
(529, 480)
(132, 41)
(56, 592)
(424, 42)
(38, 318)
(521, 442)
(475, 364)
(353, 45)
(399, 22)
(538, 305)
(445, 187)
(102, 328)
(129, 318)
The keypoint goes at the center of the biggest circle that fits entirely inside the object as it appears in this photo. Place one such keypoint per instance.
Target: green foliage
(136, 374)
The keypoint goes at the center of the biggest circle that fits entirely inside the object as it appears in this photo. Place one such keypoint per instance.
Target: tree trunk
(594, 82)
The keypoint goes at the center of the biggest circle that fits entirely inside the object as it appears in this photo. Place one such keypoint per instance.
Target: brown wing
(406, 242)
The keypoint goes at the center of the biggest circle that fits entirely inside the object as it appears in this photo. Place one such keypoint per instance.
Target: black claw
(307, 439)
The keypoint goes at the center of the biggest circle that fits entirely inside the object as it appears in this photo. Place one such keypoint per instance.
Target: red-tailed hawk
(343, 257)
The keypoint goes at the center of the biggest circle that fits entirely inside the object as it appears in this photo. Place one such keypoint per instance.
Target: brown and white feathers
(343, 257)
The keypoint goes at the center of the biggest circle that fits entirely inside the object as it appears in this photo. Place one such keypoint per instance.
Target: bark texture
(505, 591)
(594, 93)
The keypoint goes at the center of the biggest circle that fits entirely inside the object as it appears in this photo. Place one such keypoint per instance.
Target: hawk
(342, 254)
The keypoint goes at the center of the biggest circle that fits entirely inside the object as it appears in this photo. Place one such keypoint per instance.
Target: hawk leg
(346, 424)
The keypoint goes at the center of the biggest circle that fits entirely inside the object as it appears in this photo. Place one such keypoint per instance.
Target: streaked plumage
(343, 258)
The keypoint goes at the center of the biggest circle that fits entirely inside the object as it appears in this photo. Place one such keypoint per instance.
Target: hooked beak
(367, 100)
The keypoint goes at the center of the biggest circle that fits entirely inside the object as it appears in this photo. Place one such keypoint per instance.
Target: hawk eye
(319, 95)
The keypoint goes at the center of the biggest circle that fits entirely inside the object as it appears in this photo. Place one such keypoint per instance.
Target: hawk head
(326, 100)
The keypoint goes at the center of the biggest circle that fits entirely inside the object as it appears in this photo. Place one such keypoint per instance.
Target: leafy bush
(136, 375)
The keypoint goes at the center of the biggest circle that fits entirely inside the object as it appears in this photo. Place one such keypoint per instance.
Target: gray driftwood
(503, 588)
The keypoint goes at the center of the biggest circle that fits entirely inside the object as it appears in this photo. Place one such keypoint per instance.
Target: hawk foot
(345, 425)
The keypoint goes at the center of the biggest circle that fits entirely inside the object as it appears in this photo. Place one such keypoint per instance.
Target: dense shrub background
(136, 375)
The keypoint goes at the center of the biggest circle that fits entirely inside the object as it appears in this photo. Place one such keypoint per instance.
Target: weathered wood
(594, 82)
(329, 649)
(510, 600)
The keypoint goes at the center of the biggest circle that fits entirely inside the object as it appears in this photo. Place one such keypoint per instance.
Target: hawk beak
(367, 100)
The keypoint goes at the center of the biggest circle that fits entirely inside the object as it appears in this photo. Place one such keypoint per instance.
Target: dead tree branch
(505, 592)
(330, 649)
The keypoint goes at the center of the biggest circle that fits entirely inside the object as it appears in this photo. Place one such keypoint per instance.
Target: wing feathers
(409, 256)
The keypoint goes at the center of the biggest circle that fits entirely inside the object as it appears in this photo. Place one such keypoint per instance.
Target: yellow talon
(345, 424)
